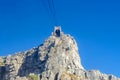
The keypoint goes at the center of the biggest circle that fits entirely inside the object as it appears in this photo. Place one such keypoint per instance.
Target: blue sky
(94, 24)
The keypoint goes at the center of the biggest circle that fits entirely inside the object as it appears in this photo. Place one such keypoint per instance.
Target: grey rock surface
(57, 59)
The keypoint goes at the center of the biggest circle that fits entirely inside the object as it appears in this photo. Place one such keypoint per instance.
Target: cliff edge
(56, 59)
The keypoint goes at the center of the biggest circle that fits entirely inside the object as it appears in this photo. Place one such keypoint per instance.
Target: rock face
(56, 59)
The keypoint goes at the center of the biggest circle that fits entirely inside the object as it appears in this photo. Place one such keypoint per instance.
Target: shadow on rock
(32, 64)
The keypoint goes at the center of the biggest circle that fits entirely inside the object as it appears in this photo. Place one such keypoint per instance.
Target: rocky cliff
(56, 59)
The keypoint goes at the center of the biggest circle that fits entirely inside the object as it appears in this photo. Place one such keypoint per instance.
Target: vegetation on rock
(33, 77)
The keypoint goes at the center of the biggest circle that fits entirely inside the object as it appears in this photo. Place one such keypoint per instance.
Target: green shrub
(2, 64)
(33, 77)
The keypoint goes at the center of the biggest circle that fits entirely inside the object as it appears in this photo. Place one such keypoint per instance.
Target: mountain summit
(56, 59)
